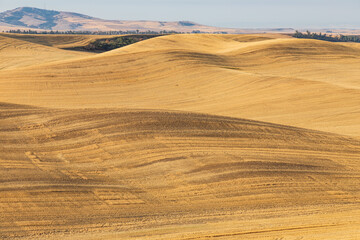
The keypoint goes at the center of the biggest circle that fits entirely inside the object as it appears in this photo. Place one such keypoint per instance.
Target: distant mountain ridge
(35, 18)
(30, 18)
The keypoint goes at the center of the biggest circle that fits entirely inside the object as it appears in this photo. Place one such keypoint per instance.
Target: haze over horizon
(116, 128)
(226, 13)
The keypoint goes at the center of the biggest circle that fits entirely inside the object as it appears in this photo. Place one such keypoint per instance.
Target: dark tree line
(325, 37)
(163, 32)
(92, 32)
(101, 45)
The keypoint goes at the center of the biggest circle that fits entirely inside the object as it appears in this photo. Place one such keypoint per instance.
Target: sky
(222, 13)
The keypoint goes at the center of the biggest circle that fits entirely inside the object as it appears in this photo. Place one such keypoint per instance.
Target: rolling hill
(17, 53)
(304, 83)
(179, 137)
(56, 40)
(35, 18)
(145, 174)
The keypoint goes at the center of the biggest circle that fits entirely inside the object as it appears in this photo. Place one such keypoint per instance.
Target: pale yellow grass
(84, 155)
(16, 53)
(126, 174)
(55, 40)
(305, 83)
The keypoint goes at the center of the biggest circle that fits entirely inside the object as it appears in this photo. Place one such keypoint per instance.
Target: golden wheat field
(179, 137)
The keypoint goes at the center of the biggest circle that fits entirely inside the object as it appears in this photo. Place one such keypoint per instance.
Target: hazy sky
(224, 13)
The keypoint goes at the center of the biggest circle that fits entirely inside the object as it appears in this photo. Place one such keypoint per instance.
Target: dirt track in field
(154, 141)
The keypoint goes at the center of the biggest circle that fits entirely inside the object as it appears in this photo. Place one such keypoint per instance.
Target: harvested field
(180, 137)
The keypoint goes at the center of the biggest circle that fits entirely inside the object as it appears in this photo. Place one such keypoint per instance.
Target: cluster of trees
(92, 32)
(163, 32)
(113, 43)
(101, 45)
(325, 37)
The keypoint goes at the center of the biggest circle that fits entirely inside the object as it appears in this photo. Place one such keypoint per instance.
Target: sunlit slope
(306, 83)
(117, 174)
(55, 40)
(17, 53)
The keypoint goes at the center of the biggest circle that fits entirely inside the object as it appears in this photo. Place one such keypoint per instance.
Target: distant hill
(28, 18)
(35, 18)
